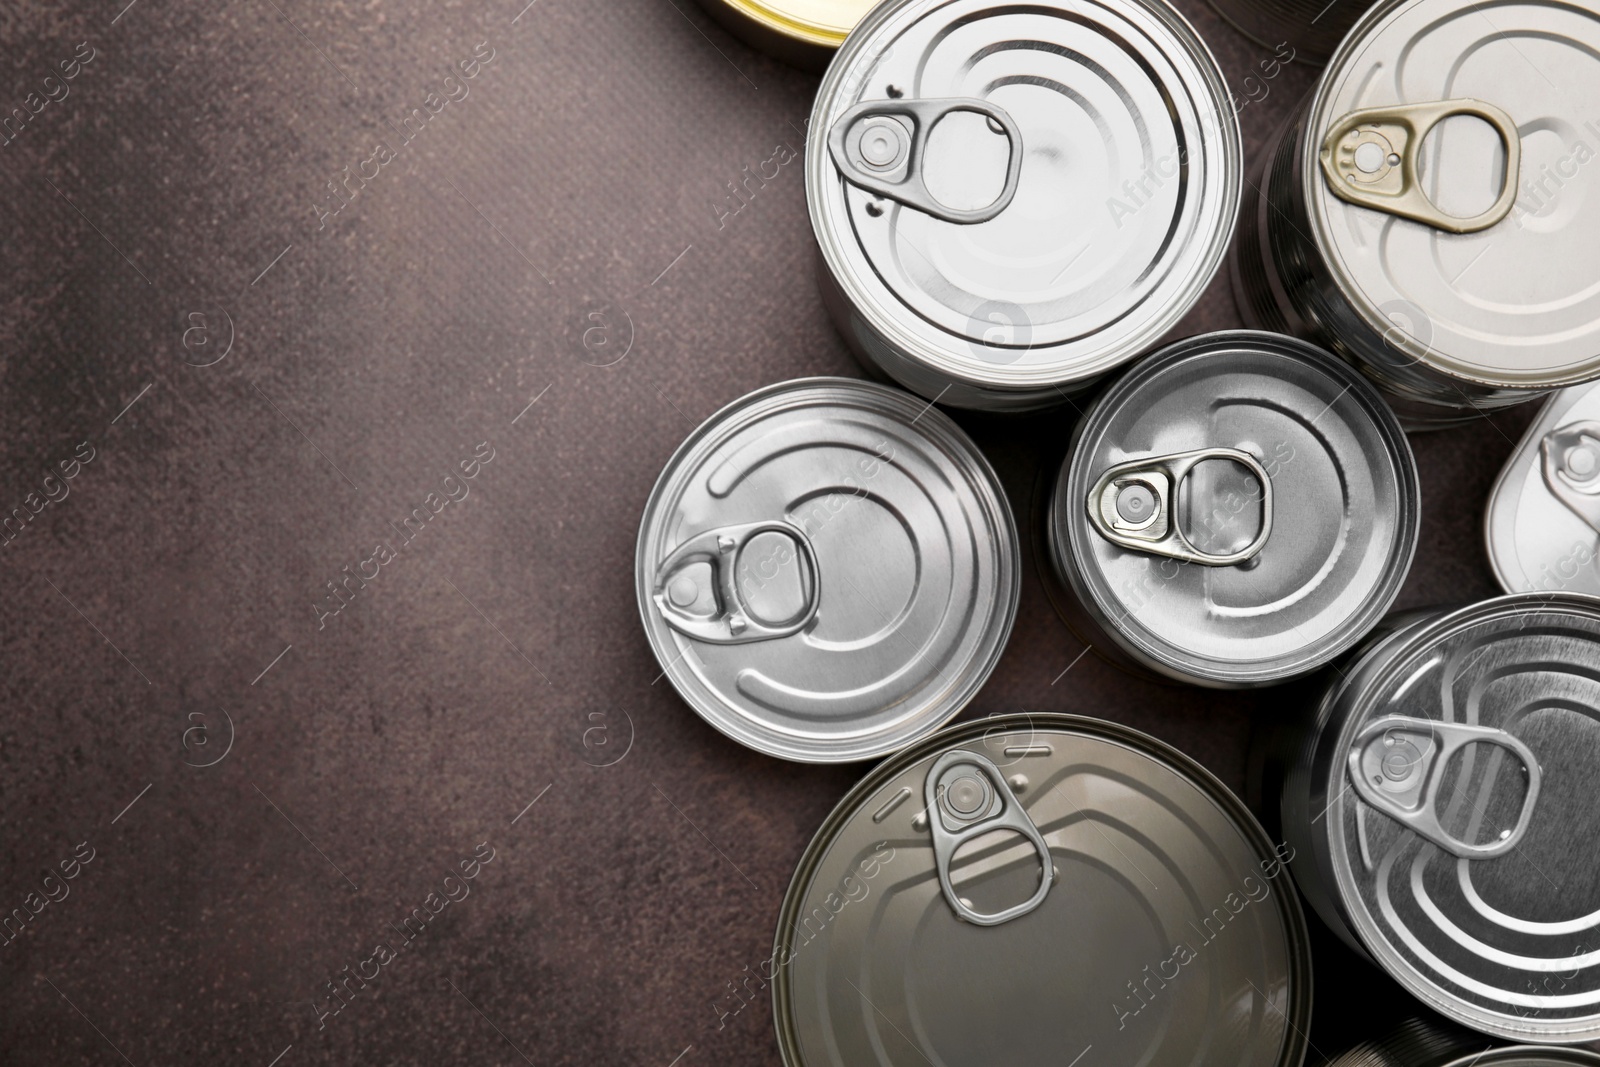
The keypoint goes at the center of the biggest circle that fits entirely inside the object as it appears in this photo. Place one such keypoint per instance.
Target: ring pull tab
(880, 145)
(1370, 159)
(755, 581)
(1570, 459)
(967, 796)
(1397, 765)
(1132, 505)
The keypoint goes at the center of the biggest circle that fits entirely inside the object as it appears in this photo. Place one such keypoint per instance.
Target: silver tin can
(1542, 526)
(1237, 510)
(1011, 201)
(827, 570)
(1441, 800)
(1023, 888)
(1309, 29)
(1424, 1043)
(1428, 215)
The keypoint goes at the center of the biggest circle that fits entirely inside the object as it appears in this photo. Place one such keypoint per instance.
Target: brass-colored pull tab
(880, 145)
(1397, 764)
(967, 796)
(1370, 158)
(1570, 460)
(748, 596)
(1132, 504)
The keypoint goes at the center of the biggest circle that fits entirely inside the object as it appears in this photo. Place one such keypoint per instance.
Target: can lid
(1238, 509)
(1462, 826)
(827, 570)
(824, 23)
(1543, 520)
(1020, 196)
(1156, 918)
(1437, 116)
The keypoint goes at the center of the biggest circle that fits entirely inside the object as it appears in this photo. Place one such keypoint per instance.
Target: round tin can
(1424, 1043)
(1441, 800)
(1012, 200)
(1309, 29)
(805, 33)
(1025, 888)
(827, 570)
(1427, 215)
(1237, 510)
(1542, 526)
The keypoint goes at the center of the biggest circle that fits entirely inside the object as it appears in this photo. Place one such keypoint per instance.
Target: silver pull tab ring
(1132, 503)
(967, 796)
(734, 622)
(880, 145)
(1401, 778)
(1570, 461)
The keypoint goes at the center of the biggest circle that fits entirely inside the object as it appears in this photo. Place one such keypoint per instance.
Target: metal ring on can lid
(1011, 201)
(1542, 525)
(1444, 793)
(827, 570)
(1485, 308)
(1159, 917)
(1277, 469)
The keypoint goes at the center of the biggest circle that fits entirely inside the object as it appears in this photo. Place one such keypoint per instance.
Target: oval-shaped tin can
(1543, 522)
(1023, 889)
(827, 570)
(805, 33)
(1237, 510)
(1304, 29)
(1012, 200)
(1423, 1042)
(1428, 213)
(1440, 799)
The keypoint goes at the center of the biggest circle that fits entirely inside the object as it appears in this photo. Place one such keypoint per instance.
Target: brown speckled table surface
(270, 376)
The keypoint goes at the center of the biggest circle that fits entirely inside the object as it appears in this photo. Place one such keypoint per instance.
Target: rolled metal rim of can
(816, 23)
(1543, 516)
(1310, 590)
(1425, 1042)
(827, 570)
(1113, 809)
(961, 320)
(1390, 307)
(1528, 1056)
(1443, 965)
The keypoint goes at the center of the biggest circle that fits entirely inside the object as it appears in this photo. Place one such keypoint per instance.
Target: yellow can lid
(803, 32)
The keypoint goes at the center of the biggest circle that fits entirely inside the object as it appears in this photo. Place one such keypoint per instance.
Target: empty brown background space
(185, 173)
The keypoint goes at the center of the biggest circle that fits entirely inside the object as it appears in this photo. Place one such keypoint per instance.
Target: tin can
(1542, 526)
(1024, 888)
(827, 570)
(1310, 29)
(1426, 214)
(1012, 201)
(1425, 1043)
(1237, 510)
(804, 33)
(1440, 798)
